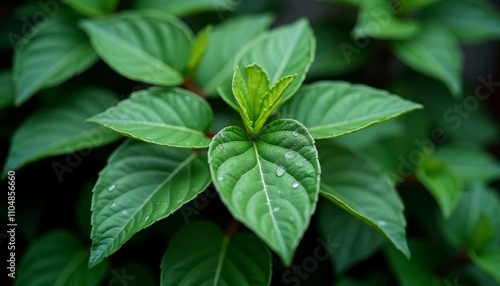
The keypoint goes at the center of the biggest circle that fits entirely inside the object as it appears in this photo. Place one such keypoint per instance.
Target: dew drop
(220, 178)
(295, 133)
(219, 148)
(179, 201)
(276, 209)
(280, 171)
(125, 212)
(289, 154)
(113, 205)
(146, 218)
(222, 134)
(157, 213)
(112, 187)
(381, 223)
(295, 185)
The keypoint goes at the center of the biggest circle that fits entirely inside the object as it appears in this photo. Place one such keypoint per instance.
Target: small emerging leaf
(198, 50)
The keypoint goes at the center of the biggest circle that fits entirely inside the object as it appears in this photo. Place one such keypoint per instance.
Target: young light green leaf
(270, 183)
(470, 163)
(419, 270)
(471, 21)
(183, 8)
(165, 116)
(142, 46)
(379, 19)
(200, 254)
(257, 100)
(93, 7)
(488, 260)
(442, 182)
(198, 50)
(460, 229)
(331, 109)
(357, 241)
(226, 40)
(284, 51)
(58, 258)
(352, 183)
(141, 184)
(435, 52)
(60, 128)
(67, 53)
(7, 89)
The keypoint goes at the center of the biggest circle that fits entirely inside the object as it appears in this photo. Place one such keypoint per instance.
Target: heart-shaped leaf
(331, 109)
(200, 254)
(93, 7)
(142, 183)
(270, 183)
(354, 184)
(226, 40)
(172, 117)
(142, 46)
(284, 51)
(59, 128)
(67, 52)
(58, 258)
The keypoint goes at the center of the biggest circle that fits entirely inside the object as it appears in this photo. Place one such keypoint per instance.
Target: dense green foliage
(248, 151)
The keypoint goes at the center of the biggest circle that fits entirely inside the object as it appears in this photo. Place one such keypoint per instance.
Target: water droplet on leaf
(112, 187)
(146, 218)
(295, 185)
(219, 148)
(276, 209)
(280, 171)
(295, 133)
(381, 223)
(125, 212)
(289, 154)
(220, 178)
(113, 205)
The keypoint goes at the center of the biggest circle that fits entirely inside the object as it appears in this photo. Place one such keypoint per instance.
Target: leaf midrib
(108, 122)
(70, 267)
(220, 261)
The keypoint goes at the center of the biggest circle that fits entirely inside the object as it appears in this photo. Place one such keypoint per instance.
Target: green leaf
(355, 185)
(182, 8)
(59, 128)
(286, 50)
(377, 19)
(165, 116)
(141, 184)
(357, 240)
(331, 109)
(488, 260)
(472, 164)
(442, 182)
(198, 50)
(269, 183)
(461, 228)
(7, 89)
(410, 5)
(257, 100)
(419, 270)
(472, 21)
(226, 40)
(435, 52)
(67, 53)
(93, 7)
(58, 259)
(200, 254)
(142, 46)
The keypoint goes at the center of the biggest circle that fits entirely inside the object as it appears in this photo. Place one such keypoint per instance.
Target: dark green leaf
(198, 50)
(442, 182)
(200, 254)
(331, 109)
(354, 184)
(58, 259)
(472, 21)
(489, 261)
(93, 7)
(183, 7)
(284, 51)
(269, 183)
(7, 89)
(60, 128)
(142, 46)
(172, 117)
(227, 39)
(435, 52)
(142, 183)
(357, 240)
(67, 52)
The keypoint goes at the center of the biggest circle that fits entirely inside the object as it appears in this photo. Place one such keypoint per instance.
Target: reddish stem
(232, 229)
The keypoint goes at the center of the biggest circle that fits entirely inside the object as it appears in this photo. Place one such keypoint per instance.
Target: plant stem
(459, 260)
(190, 85)
(232, 229)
